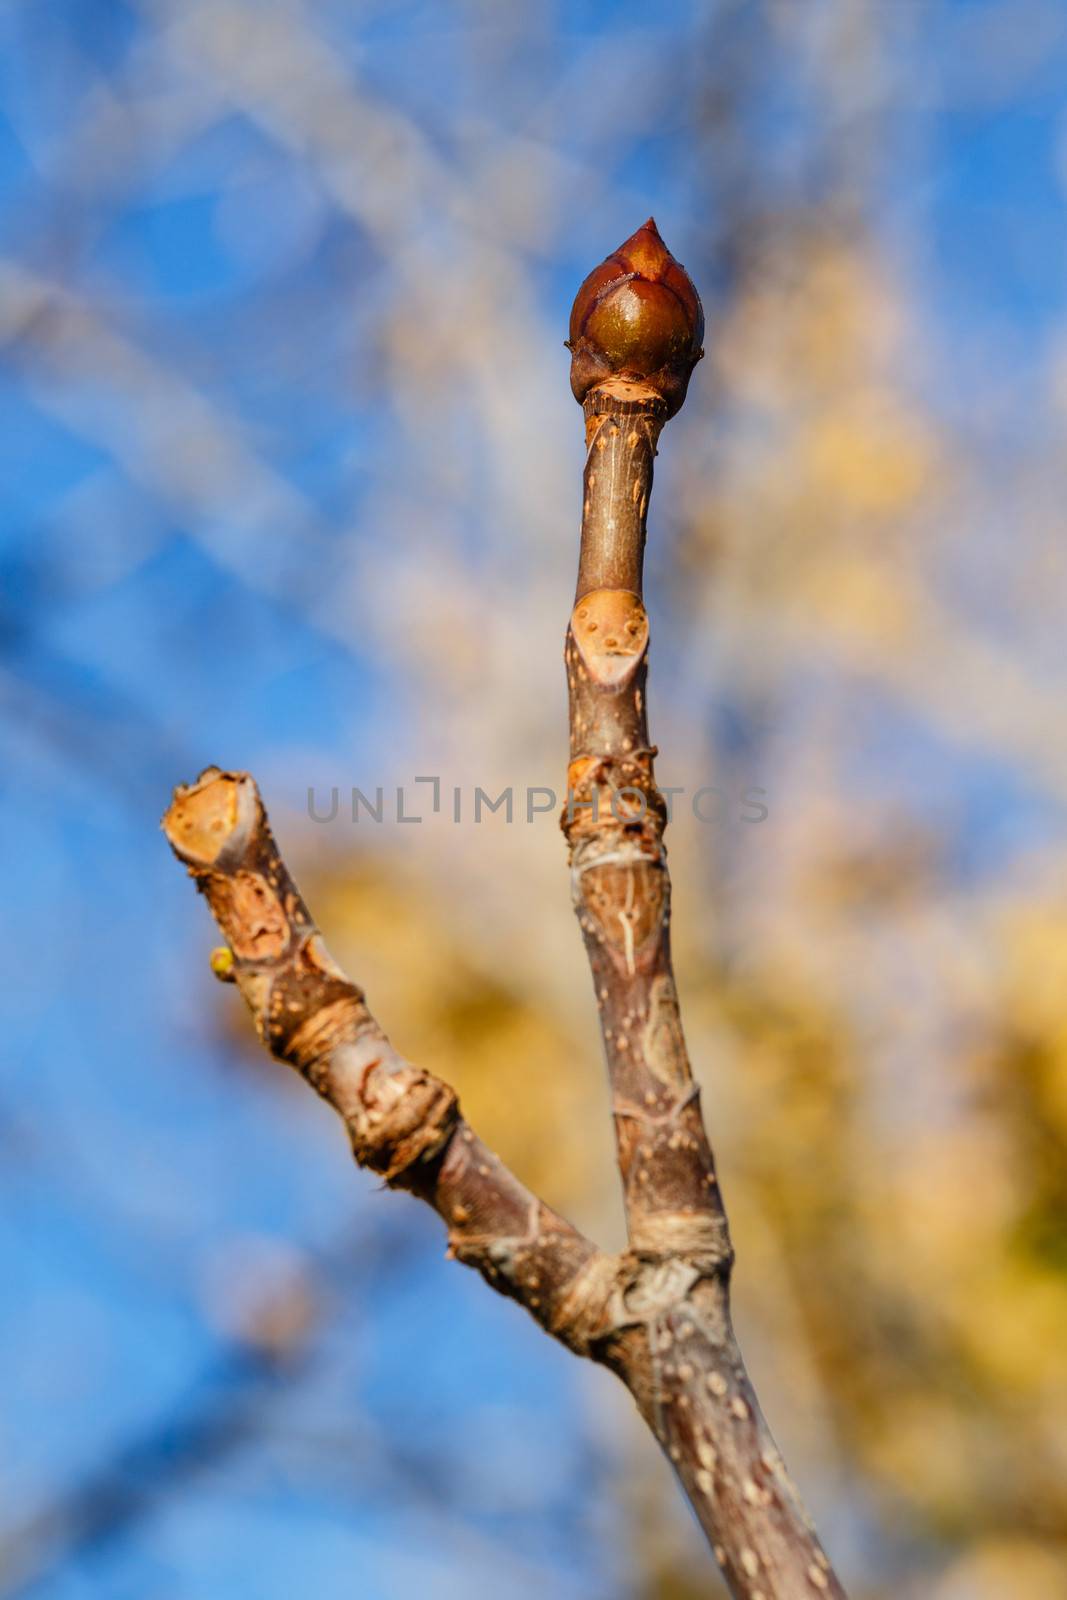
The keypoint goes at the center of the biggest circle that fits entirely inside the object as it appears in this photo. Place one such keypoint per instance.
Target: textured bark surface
(657, 1317)
(402, 1122)
(658, 1314)
(700, 1403)
(614, 823)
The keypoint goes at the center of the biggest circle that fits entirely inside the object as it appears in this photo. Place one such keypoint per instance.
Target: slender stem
(614, 824)
(402, 1122)
(700, 1403)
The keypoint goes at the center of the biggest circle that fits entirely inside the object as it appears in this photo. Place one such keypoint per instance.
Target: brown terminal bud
(637, 317)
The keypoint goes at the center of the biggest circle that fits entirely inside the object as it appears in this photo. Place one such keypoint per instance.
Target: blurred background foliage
(291, 482)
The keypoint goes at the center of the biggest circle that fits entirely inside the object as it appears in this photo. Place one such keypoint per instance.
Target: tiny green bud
(638, 317)
(222, 963)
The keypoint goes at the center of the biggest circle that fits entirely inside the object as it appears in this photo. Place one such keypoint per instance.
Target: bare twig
(658, 1315)
(635, 336)
(402, 1122)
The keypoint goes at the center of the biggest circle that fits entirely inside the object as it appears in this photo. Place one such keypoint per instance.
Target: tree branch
(402, 1122)
(636, 329)
(659, 1314)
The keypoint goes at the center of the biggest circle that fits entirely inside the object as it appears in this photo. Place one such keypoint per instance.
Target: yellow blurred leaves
(1012, 1322)
(866, 454)
(946, 1195)
(858, 596)
(811, 325)
(1032, 947)
(509, 1057)
(923, 1446)
(829, 454)
(1005, 1569)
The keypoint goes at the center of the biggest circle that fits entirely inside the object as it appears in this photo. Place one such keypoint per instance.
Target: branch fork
(658, 1314)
